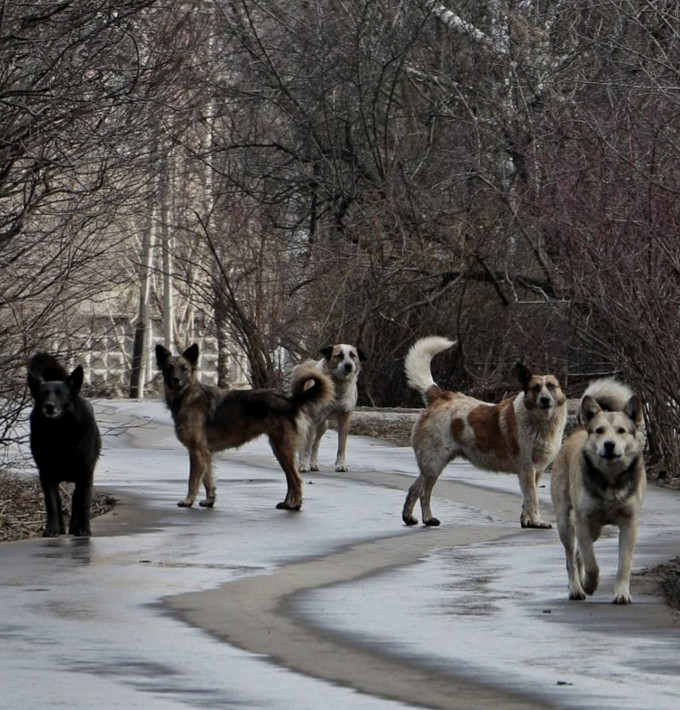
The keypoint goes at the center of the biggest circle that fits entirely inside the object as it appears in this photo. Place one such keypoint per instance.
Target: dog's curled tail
(310, 386)
(43, 366)
(417, 363)
(609, 393)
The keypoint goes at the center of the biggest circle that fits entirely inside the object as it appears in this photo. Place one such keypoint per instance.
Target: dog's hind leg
(627, 538)
(305, 443)
(285, 455)
(209, 485)
(430, 469)
(412, 496)
(343, 419)
(316, 434)
(428, 518)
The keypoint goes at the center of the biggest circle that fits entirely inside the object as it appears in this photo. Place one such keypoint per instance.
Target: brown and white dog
(599, 479)
(521, 434)
(342, 362)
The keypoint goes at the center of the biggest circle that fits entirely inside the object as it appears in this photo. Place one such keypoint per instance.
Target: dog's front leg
(530, 516)
(81, 502)
(199, 460)
(54, 525)
(343, 419)
(565, 528)
(586, 534)
(627, 539)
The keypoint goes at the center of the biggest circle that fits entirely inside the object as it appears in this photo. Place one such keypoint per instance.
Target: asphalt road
(340, 604)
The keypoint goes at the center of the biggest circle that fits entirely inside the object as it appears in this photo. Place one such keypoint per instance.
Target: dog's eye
(621, 430)
(536, 388)
(599, 430)
(550, 386)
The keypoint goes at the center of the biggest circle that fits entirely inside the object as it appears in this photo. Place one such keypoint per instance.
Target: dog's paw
(285, 505)
(186, 503)
(51, 532)
(207, 503)
(410, 520)
(535, 524)
(576, 594)
(590, 582)
(623, 598)
(431, 522)
(80, 531)
(341, 468)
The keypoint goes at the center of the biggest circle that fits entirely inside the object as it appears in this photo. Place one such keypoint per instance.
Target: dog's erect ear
(327, 351)
(562, 375)
(75, 380)
(589, 408)
(633, 409)
(34, 383)
(162, 355)
(524, 374)
(191, 354)
(362, 357)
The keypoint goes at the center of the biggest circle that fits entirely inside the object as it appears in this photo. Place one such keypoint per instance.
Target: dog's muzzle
(344, 370)
(50, 410)
(609, 450)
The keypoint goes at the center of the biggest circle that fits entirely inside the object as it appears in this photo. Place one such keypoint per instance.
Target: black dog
(65, 441)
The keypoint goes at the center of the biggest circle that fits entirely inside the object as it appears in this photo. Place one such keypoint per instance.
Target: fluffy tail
(417, 362)
(44, 366)
(610, 394)
(311, 388)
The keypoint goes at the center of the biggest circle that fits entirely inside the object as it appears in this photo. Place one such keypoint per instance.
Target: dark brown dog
(208, 419)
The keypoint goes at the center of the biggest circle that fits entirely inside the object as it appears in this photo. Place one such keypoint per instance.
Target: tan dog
(208, 419)
(521, 434)
(342, 363)
(599, 479)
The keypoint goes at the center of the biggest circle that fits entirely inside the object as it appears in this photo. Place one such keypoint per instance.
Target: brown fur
(208, 419)
(521, 434)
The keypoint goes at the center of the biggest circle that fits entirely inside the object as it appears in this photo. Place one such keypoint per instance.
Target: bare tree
(79, 85)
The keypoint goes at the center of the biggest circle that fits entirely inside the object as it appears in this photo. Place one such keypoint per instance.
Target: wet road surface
(245, 605)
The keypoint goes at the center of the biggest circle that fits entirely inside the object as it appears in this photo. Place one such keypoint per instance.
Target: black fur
(65, 441)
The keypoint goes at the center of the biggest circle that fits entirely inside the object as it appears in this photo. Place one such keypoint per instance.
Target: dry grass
(22, 510)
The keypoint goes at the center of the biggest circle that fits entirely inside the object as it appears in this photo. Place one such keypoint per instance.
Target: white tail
(417, 362)
(609, 393)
